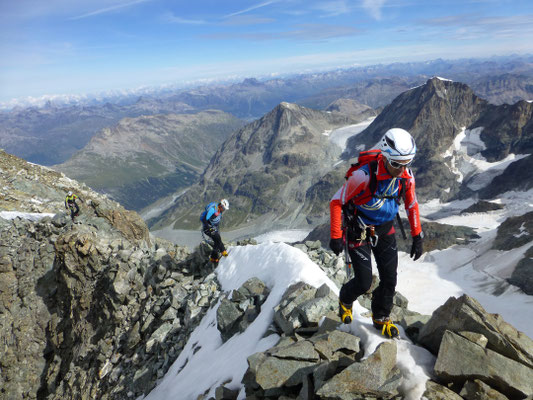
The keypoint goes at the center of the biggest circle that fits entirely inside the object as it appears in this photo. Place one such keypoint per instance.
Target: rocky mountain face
(265, 168)
(141, 160)
(375, 92)
(436, 114)
(95, 309)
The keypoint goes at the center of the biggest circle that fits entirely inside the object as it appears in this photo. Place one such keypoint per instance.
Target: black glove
(336, 245)
(417, 248)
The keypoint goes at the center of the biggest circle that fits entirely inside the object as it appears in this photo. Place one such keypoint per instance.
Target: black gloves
(336, 245)
(417, 248)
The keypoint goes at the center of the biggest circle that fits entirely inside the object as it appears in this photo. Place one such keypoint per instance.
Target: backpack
(372, 157)
(204, 213)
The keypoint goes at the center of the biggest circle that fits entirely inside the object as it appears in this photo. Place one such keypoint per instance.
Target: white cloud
(171, 18)
(333, 8)
(260, 5)
(374, 7)
(108, 9)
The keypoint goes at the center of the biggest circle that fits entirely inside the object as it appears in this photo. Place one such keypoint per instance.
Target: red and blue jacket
(382, 206)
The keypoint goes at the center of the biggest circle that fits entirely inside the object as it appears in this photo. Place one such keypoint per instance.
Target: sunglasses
(397, 165)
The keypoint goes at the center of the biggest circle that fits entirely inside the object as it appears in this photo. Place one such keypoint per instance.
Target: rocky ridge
(92, 309)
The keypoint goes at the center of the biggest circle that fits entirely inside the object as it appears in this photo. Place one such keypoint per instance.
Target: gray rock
(335, 345)
(313, 310)
(223, 393)
(286, 315)
(301, 351)
(375, 376)
(460, 360)
(478, 390)
(466, 314)
(434, 391)
(273, 373)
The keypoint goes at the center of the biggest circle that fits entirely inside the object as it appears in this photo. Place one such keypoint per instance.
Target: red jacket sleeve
(354, 186)
(335, 218)
(411, 206)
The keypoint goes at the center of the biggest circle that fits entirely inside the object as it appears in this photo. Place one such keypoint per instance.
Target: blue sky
(89, 46)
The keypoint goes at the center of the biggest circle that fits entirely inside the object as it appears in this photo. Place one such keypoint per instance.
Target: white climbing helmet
(69, 193)
(225, 204)
(398, 145)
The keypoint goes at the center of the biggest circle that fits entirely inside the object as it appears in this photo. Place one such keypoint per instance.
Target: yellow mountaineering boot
(214, 260)
(224, 253)
(345, 313)
(386, 326)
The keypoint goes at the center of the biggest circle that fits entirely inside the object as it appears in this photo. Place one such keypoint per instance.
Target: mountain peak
(289, 106)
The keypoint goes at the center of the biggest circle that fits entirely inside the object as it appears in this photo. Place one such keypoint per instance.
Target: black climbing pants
(74, 209)
(386, 255)
(218, 246)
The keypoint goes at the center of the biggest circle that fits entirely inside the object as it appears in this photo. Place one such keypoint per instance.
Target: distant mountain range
(51, 134)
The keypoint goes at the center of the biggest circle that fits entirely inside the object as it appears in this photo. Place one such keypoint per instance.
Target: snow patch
(469, 165)
(523, 231)
(341, 135)
(287, 236)
(10, 215)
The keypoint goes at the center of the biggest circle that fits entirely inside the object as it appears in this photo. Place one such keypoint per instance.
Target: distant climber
(210, 220)
(361, 216)
(70, 203)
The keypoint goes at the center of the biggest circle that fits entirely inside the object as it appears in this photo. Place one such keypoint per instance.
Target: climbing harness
(368, 232)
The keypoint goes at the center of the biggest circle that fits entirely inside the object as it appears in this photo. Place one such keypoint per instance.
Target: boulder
(460, 360)
(478, 390)
(434, 391)
(236, 314)
(376, 376)
(466, 314)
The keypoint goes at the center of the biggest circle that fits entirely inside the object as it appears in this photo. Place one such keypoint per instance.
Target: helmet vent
(391, 143)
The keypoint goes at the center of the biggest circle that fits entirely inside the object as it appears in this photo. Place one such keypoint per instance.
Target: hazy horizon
(89, 47)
